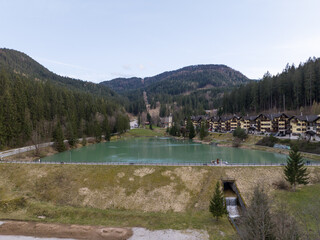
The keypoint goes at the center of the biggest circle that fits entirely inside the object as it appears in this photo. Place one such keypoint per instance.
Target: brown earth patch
(64, 231)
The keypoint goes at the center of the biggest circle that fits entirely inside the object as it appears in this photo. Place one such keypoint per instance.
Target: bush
(84, 141)
(12, 205)
(267, 141)
(305, 146)
(281, 184)
(240, 133)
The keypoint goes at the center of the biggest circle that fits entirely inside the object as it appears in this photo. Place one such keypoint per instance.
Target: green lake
(163, 150)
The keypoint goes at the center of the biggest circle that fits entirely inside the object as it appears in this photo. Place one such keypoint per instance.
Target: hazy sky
(100, 40)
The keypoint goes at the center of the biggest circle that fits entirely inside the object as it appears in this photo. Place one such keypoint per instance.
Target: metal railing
(160, 163)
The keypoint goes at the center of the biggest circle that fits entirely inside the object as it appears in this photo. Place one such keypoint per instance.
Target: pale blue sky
(100, 40)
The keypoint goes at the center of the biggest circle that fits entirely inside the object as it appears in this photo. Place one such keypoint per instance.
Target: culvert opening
(231, 198)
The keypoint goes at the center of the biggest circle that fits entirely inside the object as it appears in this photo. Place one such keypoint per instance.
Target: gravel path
(169, 234)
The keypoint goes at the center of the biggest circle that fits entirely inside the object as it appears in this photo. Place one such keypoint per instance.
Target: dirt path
(47, 230)
(169, 234)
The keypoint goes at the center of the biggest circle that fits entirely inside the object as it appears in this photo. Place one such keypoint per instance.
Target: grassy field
(131, 196)
(145, 132)
(304, 204)
(299, 198)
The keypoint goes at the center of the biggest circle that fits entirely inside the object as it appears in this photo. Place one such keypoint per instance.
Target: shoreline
(228, 143)
(49, 150)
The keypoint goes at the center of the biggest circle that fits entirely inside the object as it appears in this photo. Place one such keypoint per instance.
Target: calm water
(164, 150)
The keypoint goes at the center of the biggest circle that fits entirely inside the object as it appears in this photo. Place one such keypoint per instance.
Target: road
(31, 148)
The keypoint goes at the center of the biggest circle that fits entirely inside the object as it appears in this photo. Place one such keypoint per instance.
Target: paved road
(23, 149)
(31, 148)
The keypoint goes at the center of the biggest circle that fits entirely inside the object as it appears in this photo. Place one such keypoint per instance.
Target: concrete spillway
(232, 207)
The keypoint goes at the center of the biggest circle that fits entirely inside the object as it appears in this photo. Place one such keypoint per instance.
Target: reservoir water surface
(163, 150)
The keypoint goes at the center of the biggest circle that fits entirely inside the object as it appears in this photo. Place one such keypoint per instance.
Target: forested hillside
(294, 88)
(20, 63)
(189, 90)
(183, 80)
(33, 106)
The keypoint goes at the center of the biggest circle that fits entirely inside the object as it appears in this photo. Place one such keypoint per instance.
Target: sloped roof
(251, 118)
(307, 118)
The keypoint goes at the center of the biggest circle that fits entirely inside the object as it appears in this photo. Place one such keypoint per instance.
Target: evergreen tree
(122, 123)
(149, 120)
(71, 136)
(84, 140)
(217, 206)
(203, 131)
(190, 128)
(163, 110)
(295, 172)
(58, 139)
(240, 133)
(106, 129)
(97, 131)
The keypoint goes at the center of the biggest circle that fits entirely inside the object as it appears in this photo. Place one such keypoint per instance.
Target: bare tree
(285, 225)
(36, 138)
(256, 222)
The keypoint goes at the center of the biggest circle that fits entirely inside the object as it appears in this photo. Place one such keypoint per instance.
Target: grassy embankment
(159, 197)
(128, 196)
(226, 139)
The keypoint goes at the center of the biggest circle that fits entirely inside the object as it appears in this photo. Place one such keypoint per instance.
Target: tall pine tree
(217, 206)
(203, 130)
(295, 172)
(190, 128)
(58, 138)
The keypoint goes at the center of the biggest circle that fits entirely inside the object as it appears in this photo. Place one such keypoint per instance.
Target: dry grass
(128, 195)
(156, 188)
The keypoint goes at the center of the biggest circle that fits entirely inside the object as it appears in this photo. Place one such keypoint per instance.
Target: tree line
(31, 111)
(293, 89)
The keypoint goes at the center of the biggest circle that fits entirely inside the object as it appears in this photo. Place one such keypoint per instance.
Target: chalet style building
(234, 123)
(166, 122)
(280, 123)
(248, 123)
(309, 124)
(273, 123)
(214, 124)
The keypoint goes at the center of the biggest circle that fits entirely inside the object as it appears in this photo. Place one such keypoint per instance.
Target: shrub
(281, 184)
(84, 141)
(267, 141)
(240, 133)
(12, 205)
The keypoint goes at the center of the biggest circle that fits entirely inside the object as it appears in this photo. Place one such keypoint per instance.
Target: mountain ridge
(197, 76)
(21, 63)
